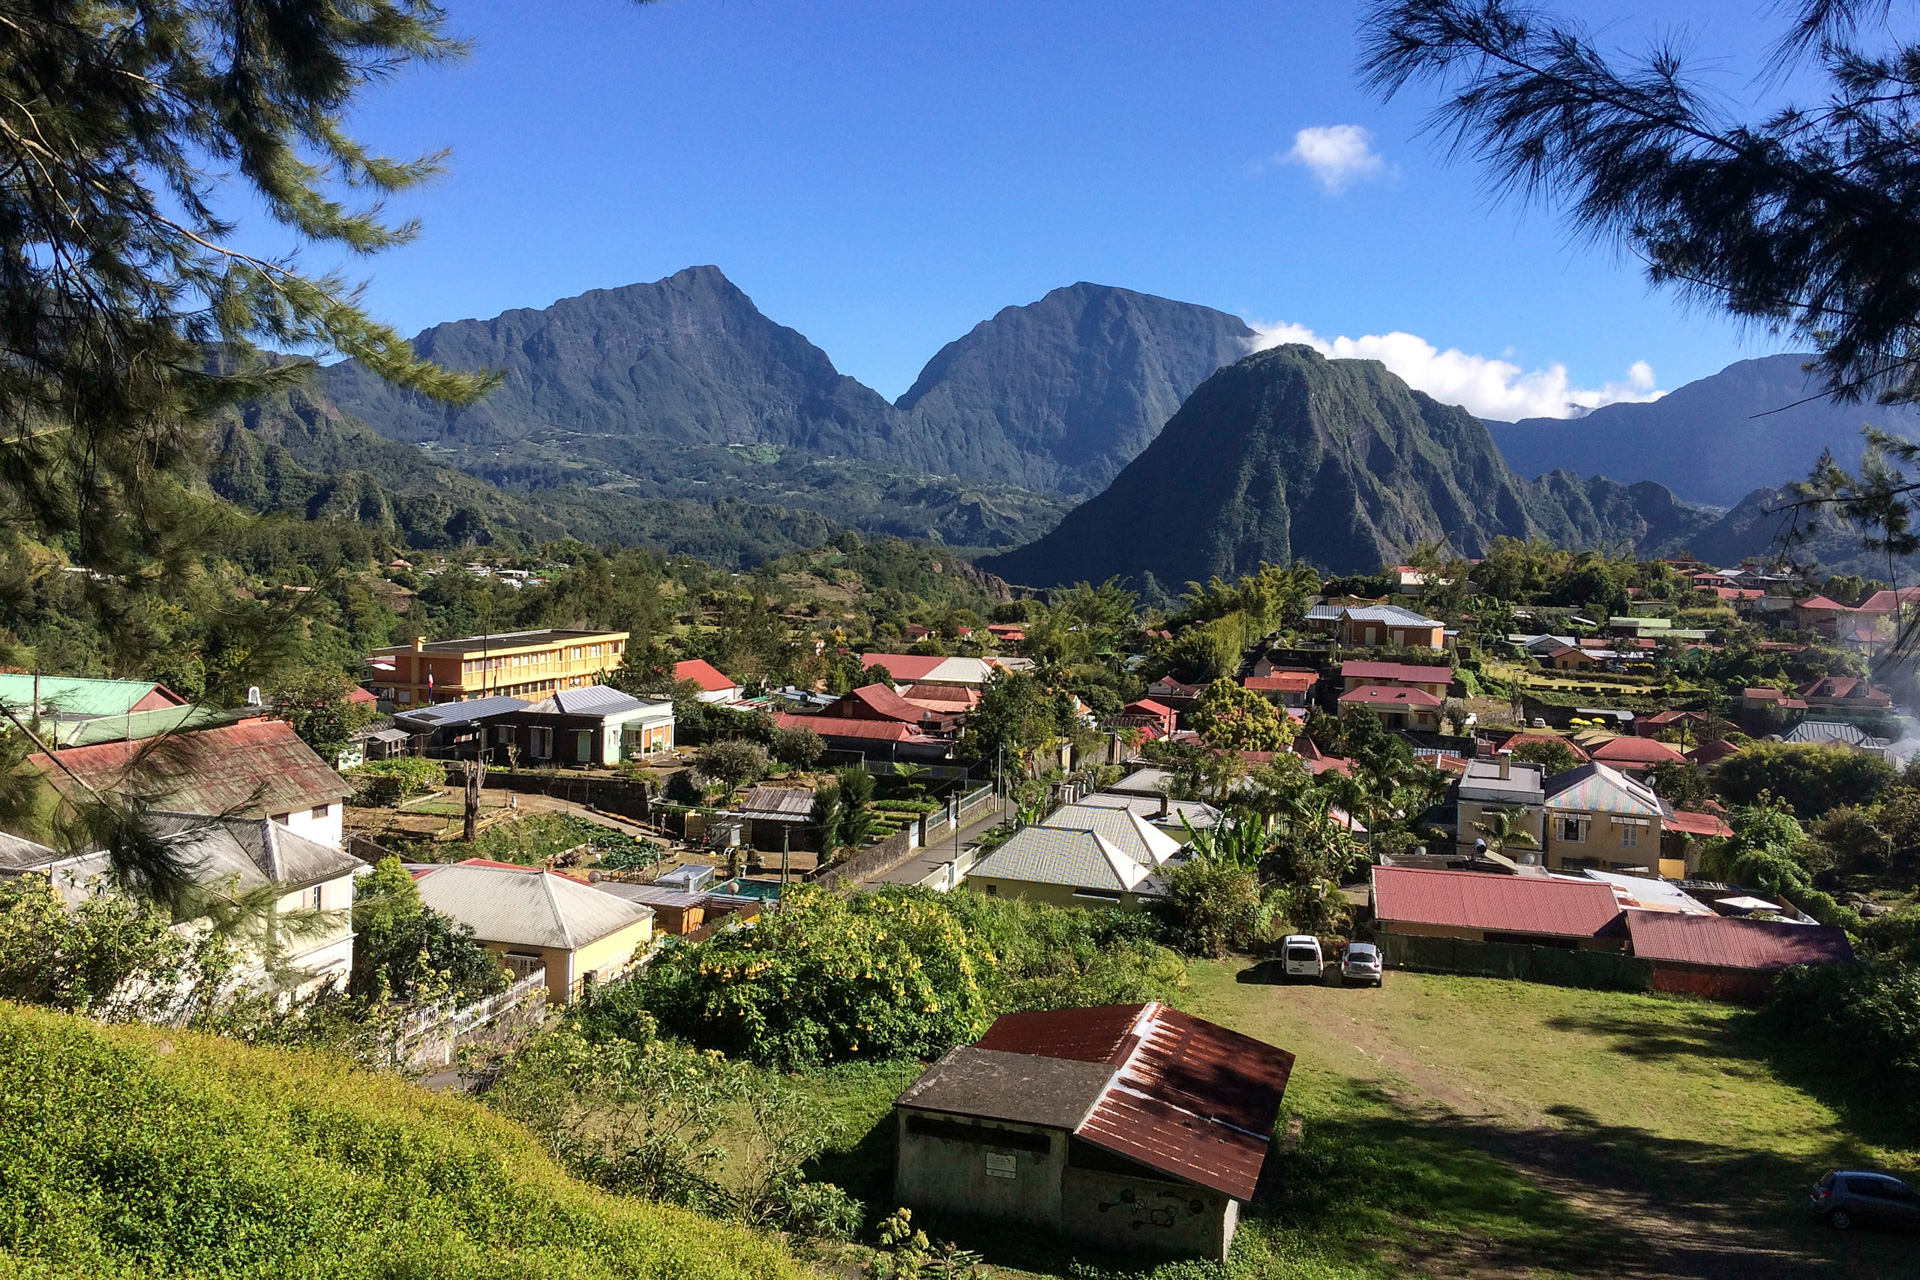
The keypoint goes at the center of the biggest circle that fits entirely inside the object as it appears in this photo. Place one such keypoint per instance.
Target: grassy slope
(129, 1152)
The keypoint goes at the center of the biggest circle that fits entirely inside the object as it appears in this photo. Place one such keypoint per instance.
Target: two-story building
(1597, 816)
(1501, 783)
(1397, 706)
(513, 664)
(1434, 679)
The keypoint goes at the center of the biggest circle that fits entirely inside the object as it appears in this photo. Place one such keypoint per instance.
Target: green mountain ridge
(633, 382)
(1287, 455)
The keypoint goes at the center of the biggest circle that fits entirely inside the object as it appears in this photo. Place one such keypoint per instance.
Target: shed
(1131, 1127)
(1725, 958)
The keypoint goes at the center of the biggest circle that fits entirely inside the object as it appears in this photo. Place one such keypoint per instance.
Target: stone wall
(874, 860)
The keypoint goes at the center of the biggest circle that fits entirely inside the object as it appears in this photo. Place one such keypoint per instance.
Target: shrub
(1212, 907)
(406, 950)
(734, 761)
(1873, 1009)
(799, 747)
(1810, 777)
(879, 975)
(382, 783)
(111, 956)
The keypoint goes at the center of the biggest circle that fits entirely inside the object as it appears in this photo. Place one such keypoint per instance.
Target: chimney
(1163, 804)
(1506, 764)
(419, 644)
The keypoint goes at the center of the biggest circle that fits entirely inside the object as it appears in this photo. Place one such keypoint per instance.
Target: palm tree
(1503, 827)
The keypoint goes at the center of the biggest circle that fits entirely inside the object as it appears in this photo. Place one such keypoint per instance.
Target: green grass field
(1471, 1127)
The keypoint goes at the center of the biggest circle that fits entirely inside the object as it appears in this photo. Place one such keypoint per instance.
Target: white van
(1301, 952)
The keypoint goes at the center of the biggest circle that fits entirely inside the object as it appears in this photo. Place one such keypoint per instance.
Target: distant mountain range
(615, 385)
(1713, 441)
(675, 413)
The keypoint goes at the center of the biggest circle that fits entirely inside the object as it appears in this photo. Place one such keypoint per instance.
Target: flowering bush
(826, 978)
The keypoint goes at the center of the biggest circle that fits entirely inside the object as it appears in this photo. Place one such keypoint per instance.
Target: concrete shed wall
(990, 1178)
(1124, 1214)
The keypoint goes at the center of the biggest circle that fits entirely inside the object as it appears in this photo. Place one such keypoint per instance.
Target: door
(583, 746)
(540, 743)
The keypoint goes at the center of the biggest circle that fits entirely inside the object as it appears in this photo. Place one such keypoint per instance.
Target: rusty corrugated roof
(1190, 1098)
(1734, 944)
(1494, 903)
(257, 768)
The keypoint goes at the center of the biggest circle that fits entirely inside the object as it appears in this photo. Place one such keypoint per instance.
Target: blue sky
(884, 174)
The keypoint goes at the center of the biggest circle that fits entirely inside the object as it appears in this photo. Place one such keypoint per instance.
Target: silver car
(1362, 963)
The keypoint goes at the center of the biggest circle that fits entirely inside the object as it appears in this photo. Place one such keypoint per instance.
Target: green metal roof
(138, 724)
(74, 695)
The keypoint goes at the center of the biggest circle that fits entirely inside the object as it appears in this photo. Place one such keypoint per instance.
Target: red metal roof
(1733, 944)
(1697, 824)
(877, 702)
(902, 666)
(256, 768)
(1637, 751)
(1282, 682)
(1384, 695)
(1495, 903)
(845, 727)
(1403, 672)
(1189, 1098)
(1712, 752)
(705, 674)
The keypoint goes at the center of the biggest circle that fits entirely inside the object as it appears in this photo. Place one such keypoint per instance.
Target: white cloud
(1485, 386)
(1338, 155)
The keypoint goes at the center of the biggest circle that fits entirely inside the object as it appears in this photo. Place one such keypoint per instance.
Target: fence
(1557, 966)
(876, 859)
(431, 1037)
(627, 797)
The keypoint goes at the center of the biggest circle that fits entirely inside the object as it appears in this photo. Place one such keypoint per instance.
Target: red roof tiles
(1282, 682)
(1493, 903)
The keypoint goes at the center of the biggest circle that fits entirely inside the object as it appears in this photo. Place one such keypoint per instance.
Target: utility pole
(786, 838)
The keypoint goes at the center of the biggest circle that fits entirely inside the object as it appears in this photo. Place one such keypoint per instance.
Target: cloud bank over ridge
(1485, 386)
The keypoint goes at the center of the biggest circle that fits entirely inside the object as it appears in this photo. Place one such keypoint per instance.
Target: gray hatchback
(1855, 1197)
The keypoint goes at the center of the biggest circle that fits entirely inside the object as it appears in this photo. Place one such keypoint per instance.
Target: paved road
(925, 862)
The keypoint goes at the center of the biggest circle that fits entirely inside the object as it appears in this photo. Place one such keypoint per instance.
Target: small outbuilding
(1133, 1128)
(1724, 958)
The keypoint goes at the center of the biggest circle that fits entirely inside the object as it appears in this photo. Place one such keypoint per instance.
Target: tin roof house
(1130, 1127)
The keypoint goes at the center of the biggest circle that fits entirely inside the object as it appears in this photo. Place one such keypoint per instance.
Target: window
(319, 898)
(993, 890)
(1571, 830)
(321, 811)
(1629, 837)
(540, 743)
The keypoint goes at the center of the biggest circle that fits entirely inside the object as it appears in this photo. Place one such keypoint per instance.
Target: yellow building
(1066, 868)
(516, 664)
(531, 918)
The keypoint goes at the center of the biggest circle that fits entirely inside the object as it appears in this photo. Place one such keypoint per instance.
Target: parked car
(1362, 963)
(1858, 1197)
(1301, 953)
